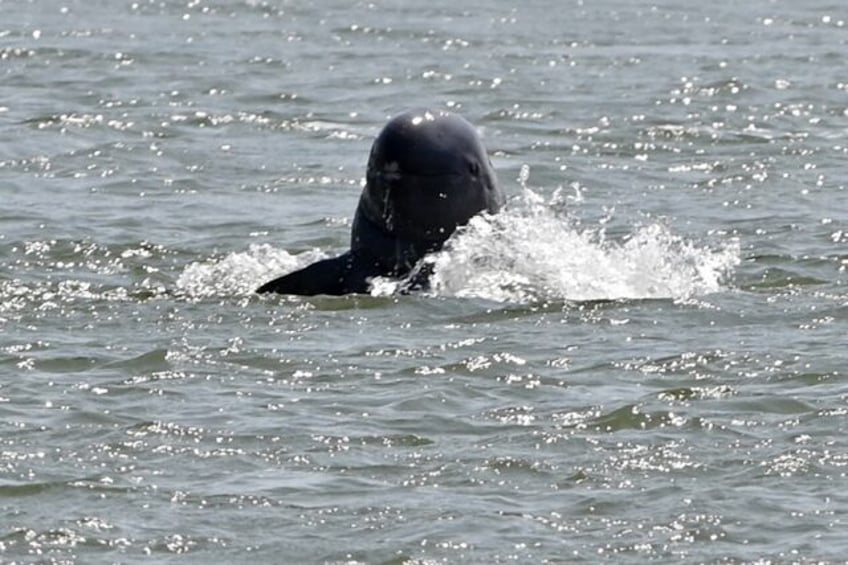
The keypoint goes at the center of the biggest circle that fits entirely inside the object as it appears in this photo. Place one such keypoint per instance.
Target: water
(642, 358)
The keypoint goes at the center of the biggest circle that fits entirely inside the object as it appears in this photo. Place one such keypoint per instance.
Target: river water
(643, 357)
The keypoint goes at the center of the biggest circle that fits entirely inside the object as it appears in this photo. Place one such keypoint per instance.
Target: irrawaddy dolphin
(427, 175)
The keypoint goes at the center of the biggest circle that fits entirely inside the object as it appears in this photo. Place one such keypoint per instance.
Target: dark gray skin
(428, 174)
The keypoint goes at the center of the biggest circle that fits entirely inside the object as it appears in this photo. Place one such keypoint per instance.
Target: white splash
(530, 252)
(241, 273)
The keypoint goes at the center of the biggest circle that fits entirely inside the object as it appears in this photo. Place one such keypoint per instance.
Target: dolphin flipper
(334, 276)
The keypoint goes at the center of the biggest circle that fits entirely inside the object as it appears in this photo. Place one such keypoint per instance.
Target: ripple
(640, 360)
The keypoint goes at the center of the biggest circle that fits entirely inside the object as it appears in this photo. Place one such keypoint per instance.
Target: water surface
(643, 358)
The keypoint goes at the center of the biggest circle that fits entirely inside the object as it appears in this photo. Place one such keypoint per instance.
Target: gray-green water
(643, 358)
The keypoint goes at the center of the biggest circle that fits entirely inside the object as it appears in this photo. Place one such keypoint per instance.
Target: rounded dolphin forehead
(426, 142)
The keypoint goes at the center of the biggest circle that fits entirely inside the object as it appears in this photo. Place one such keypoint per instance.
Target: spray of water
(532, 251)
(242, 272)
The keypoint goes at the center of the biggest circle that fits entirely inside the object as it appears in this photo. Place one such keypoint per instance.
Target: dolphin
(428, 174)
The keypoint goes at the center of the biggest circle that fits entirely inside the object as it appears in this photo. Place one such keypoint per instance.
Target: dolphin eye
(474, 168)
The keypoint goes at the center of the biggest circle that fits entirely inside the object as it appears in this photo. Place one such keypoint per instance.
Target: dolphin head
(428, 174)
